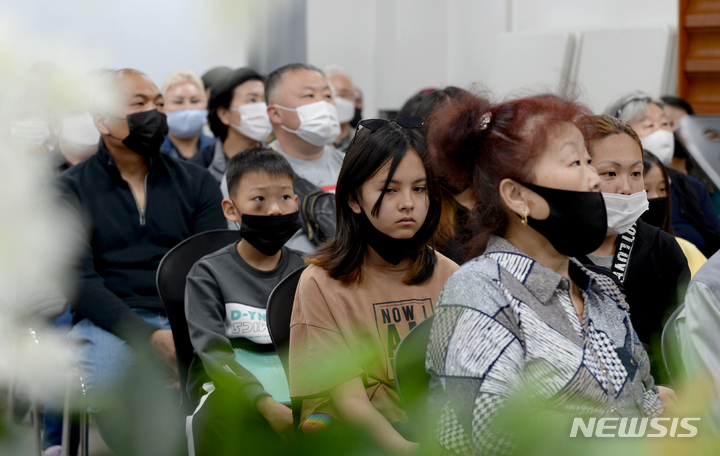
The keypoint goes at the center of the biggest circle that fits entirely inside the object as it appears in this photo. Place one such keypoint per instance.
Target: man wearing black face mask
(135, 204)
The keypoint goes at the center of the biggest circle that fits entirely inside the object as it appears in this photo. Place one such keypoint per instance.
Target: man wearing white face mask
(344, 93)
(237, 115)
(305, 120)
(693, 216)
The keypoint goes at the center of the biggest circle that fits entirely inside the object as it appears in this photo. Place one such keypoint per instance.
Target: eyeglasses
(404, 122)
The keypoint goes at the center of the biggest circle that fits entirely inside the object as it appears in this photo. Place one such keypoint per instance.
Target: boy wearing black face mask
(225, 301)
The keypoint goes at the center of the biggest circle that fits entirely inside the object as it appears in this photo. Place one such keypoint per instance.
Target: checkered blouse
(504, 323)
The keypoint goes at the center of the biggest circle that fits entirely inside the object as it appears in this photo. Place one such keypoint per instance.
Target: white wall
(156, 37)
(394, 48)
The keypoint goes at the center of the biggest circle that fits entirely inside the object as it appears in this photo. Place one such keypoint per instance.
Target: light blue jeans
(133, 410)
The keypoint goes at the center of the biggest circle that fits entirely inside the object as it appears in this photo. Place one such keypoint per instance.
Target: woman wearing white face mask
(237, 115)
(647, 263)
(694, 217)
(186, 109)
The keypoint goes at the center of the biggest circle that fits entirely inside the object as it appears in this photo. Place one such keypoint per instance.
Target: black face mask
(358, 117)
(268, 233)
(577, 223)
(679, 151)
(390, 249)
(655, 215)
(147, 132)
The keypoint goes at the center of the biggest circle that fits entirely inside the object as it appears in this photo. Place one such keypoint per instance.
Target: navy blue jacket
(124, 245)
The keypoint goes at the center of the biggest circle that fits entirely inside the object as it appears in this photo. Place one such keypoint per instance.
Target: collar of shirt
(169, 148)
(542, 281)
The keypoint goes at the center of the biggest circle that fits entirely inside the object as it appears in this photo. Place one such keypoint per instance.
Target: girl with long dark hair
(368, 286)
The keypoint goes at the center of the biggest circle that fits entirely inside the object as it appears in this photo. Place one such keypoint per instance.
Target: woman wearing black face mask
(525, 315)
(657, 185)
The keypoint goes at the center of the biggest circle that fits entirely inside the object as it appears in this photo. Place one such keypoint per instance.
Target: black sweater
(124, 245)
(655, 283)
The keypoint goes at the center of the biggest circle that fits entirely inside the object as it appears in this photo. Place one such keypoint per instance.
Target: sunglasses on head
(404, 122)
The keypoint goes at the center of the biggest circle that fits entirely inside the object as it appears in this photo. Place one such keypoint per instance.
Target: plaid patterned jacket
(505, 323)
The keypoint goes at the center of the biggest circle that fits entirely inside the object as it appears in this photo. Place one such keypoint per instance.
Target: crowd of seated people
(550, 243)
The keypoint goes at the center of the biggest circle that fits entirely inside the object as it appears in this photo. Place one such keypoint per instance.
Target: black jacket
(124, 245)
(654, 285)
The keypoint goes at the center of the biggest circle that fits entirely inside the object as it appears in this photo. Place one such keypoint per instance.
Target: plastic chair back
(411, 378)
(171, 275)
(671, 350)
(278, 313)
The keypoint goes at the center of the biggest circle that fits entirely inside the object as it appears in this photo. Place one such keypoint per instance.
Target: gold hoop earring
(524, 218)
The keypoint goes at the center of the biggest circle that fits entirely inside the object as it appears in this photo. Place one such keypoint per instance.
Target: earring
(524, 218)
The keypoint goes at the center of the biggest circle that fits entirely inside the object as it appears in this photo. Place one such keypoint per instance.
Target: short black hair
(678, 103)
(257, 159)
(214, 75)
(221, 95)
(275, 78)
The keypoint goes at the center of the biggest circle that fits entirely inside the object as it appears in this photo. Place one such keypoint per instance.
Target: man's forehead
(131, 84)
(302, 78)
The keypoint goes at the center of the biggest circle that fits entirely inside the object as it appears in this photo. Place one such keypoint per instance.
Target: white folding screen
(610, 63)
(531, 62)
(599, 65)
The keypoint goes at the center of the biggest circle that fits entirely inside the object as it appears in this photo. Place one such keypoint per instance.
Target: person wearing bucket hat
(238, 118)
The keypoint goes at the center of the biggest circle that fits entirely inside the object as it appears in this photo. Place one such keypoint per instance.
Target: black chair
(278, 313)
(671, 349)
(171, 275)
(411, 378)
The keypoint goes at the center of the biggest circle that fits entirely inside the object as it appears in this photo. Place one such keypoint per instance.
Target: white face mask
(254, 121)
(29, 134)
(661, 144)
(624, 210)
(80, 132)
(319, 123)
(345, 109)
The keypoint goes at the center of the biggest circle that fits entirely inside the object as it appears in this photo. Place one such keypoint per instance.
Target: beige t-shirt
(341, 331)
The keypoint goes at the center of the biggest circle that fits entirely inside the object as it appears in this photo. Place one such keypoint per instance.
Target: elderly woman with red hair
(525, 315)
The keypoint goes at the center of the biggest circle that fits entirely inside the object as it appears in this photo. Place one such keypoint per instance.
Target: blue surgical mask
(186, 124)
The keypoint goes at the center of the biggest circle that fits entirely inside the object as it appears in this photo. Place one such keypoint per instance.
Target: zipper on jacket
(141, 210)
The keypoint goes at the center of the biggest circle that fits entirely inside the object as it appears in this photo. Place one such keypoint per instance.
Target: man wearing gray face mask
(305, 121)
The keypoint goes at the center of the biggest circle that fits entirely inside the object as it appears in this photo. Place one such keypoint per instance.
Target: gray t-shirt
(602, 261)
(225, 300)
(323, 171)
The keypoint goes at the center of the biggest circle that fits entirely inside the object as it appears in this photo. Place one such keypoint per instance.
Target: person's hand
(163, 347)
(278, 416)
(668, 398)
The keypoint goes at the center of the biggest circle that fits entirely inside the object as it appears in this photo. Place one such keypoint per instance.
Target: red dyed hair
(507, 148)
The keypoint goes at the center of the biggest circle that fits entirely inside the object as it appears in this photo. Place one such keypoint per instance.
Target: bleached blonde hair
(180, 77)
